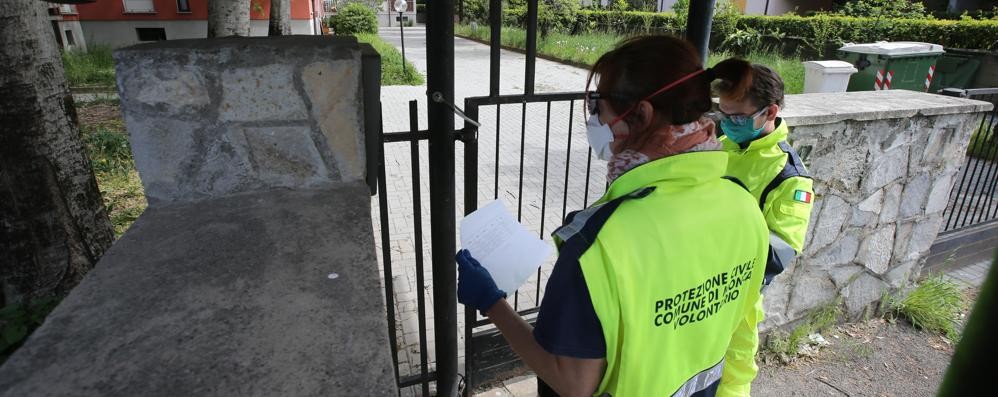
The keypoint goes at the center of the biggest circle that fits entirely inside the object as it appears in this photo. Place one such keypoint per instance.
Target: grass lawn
(392, 71)
(93, 67)
(586, 48)
(111, 159)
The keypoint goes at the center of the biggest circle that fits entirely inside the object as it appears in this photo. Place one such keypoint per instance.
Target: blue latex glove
(475, 286)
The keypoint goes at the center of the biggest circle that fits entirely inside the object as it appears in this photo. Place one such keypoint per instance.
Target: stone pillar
(209, 118)
(883, 165)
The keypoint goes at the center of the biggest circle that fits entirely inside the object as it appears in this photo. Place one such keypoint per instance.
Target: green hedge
(817, 31)
(958, 34)
(354, 18)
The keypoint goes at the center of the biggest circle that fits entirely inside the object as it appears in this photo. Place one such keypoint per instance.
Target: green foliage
(824, 29)
(111, 160)
(725, 12)
(934, 305)
(477, 10)
(619, 5)
(556, 15)
(586, 47)
(108, 149)
(884, 9)
(816, 32)
(92, 67)
(354, 18)
(393, 71)
(18, 320)
(984, 145)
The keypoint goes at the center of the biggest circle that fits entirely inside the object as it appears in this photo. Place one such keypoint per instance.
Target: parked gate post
(440, 79)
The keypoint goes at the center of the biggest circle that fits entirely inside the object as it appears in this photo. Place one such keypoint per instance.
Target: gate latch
(439, 98)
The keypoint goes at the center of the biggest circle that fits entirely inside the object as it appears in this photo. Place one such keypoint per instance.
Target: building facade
(119, 23)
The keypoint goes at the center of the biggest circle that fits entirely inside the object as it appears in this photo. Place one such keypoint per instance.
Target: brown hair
(643, 64)
(741, 79)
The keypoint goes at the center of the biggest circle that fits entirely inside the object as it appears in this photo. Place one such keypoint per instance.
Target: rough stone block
(332, 89)
(812, 288)
(845, 274)
(901, 239)
(892, 203)
(913, 199)
(865, 289)
(886, 168)
(210, 118)
(839, 252)
(922, 236)
(178, 89)
(902, 274)
(260, 93)
(875, 251)
(833, 215)
(873, 203)
(285, 156)
(939, 195)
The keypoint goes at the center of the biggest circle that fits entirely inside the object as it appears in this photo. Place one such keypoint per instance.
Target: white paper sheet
(502, 245)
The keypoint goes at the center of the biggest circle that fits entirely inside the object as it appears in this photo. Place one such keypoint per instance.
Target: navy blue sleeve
(566, 323)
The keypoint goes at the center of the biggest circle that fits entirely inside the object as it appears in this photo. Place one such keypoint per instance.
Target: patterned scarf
(697, 136)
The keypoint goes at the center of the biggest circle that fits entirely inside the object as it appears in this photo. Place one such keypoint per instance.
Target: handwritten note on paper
(502, 245)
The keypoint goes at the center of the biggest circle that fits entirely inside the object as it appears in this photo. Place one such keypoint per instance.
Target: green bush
(354, 18)
(556, 15)
(823, 29)
(477, 11)
(816, 32)
(884, 9)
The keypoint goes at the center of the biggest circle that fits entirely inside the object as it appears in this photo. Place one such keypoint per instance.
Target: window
(183, 6)
(139, 6)
(151, 34)
(328, 6)
(70, 40)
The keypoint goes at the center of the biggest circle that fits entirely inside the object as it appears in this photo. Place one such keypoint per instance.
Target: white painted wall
(388, 19)
(122, 33)
(78, 36)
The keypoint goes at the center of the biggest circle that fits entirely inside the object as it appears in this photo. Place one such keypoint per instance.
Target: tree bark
(53, 225)
(280, 18)
(228, 18)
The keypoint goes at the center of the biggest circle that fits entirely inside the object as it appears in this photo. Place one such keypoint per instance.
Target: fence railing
(973, 199)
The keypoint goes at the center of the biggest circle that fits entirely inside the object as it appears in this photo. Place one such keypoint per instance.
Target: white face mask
(600, 136)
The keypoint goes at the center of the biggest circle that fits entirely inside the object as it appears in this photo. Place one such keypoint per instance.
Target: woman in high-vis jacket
(655, 283)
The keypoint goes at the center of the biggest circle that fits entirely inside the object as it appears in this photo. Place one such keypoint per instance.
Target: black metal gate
(487, 356)
(973, 199)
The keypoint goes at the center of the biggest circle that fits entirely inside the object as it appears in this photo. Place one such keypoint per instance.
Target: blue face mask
(740, 133)
(741, 129)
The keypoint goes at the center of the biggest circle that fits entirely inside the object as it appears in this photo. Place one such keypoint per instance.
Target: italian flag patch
(802, 196)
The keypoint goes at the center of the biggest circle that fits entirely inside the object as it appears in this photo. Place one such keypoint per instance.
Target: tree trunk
(53, 226)
(280, 18)
(228, 18)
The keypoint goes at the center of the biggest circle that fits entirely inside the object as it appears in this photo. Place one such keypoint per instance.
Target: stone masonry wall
(883, 165)
(242, 114)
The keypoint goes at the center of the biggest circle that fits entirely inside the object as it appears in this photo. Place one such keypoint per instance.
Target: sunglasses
(742, 119)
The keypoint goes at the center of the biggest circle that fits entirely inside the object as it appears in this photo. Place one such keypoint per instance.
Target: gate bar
(528, 85)
(698, 23)
(495, 45)
(440, 79)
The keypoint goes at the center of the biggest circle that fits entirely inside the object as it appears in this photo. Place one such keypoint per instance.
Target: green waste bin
(957, 68)
(891, 65)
